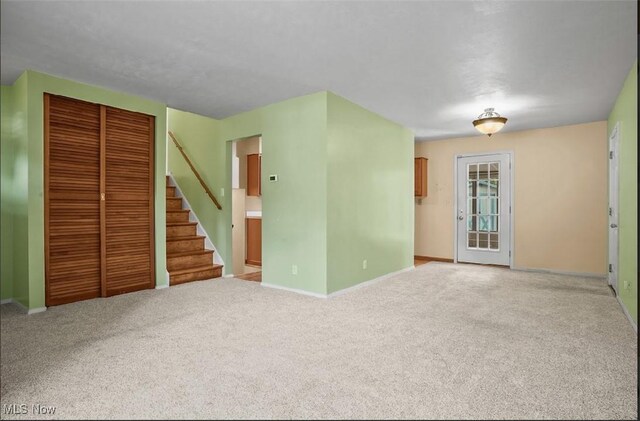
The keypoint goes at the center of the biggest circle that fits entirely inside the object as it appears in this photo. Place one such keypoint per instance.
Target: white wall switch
(294, 269)
(364, 264)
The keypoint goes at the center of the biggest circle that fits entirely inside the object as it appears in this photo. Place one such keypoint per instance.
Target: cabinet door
(72, 200)
(416, 177)
(129, 210)
(253, 175)
(254, 241)
(420, 177)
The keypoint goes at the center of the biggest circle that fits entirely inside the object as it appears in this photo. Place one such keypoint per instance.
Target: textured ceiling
(430, 66)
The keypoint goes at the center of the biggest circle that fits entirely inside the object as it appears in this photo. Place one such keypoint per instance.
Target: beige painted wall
(559, 203)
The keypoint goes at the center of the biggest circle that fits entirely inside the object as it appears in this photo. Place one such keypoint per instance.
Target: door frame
(511, 199)
(230, 151)
(613, 203)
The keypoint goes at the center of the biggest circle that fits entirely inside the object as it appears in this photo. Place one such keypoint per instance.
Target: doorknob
(460, 217)
(614, 225)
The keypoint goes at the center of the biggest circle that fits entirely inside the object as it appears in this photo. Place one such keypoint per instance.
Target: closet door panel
(129, 201)
(72, 200)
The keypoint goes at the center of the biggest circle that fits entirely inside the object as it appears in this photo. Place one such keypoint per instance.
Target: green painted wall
(308, 152)
(370, 202)
(344, 191)
(28, 235)
(200, 139)
(7, 166)
(625, 111)
(15, 199)
(294, 212)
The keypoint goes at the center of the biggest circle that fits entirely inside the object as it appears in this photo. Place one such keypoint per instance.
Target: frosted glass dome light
(489, 122)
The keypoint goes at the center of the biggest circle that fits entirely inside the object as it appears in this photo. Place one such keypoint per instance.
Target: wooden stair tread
(189, 253)
(185, 237)
(194, 269)
(189, 265)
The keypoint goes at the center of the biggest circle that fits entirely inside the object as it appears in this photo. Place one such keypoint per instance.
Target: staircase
(187, 258)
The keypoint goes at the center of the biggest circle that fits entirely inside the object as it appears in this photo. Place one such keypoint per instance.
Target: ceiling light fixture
(489, 122)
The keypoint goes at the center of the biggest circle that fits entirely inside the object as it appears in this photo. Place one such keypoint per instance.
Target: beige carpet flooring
(441, 341)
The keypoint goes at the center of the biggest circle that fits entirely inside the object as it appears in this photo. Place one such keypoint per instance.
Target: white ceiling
(430, 66)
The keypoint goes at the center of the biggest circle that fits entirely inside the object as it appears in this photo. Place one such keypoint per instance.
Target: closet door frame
(103, 178)
(47, 153)
(152, 197)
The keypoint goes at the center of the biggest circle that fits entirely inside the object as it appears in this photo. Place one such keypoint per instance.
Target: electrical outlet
(294, 269)
(364, 264)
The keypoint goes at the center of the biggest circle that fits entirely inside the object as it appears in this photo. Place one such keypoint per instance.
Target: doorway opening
(483, 218)
(246, 208)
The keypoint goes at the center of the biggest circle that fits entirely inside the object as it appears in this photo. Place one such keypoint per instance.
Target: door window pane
(493, 241)
(493, 188)
(473, 172)
(472, 206)
(493, 223)
(483, 240)
(483, 188)
(471, 223)
(483, 206)
(483, 171)
(483, 223)
(493, 206)
(494, 168)
(472, 188)
(472, 240)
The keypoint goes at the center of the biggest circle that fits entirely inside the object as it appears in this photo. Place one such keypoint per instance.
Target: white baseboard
(297, 291)
(36, 310)
(28, 310)
(626, 313)
(162, 286)
(6, 301)
(341, 291)
(370, 282)
(562, 272)
(228, 275)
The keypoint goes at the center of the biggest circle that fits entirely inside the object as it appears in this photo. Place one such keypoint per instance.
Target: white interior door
(613, 208)
(483, 209)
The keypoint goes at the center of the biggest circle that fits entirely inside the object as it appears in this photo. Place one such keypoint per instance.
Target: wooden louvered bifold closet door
(72, 200)
(129, 201)
(99, 215)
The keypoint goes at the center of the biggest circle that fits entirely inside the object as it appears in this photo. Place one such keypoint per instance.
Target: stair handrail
(186, 158)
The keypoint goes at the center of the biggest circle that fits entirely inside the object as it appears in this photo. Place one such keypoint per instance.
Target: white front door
(613, 208)
(483, 209)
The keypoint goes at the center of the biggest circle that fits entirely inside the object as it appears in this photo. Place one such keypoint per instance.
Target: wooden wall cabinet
(254, 241)
(253, 175)
(420, 184)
